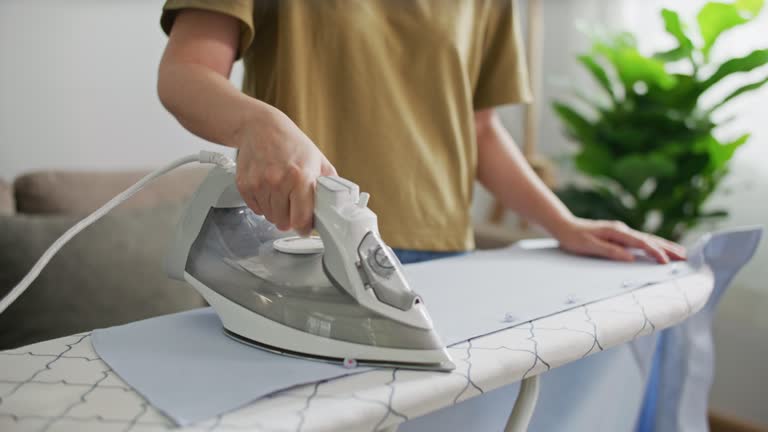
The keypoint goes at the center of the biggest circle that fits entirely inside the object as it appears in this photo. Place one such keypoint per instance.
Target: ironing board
(63, 385)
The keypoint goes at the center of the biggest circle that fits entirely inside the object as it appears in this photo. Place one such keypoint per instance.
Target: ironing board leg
(525, 404)
(522, 412)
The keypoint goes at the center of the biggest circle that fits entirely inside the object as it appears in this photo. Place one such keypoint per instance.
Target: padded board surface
(187, 368)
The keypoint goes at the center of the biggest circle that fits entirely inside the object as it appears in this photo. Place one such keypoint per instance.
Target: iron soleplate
(439, 367)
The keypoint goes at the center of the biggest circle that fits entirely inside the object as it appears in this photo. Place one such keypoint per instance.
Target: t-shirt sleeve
(240, 9)
(503, 74)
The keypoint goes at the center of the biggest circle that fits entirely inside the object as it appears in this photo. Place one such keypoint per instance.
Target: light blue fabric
(647, 419)
(687, 353)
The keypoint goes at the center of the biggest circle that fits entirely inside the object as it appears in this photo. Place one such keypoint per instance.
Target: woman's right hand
(277, 169)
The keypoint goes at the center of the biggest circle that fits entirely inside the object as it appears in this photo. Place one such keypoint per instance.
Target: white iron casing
(357, 260)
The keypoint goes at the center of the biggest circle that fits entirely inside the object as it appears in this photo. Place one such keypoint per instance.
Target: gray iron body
(349, 302)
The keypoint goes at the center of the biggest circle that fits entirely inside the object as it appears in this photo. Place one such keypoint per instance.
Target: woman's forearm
(193, 78)
(503, 170)
(206, 103)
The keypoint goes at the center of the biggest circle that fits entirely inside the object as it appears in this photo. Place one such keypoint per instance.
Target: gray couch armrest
(82, 192)
(7, 203)
(109, 274)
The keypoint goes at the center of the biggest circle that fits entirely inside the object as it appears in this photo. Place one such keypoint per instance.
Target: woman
(397, 96)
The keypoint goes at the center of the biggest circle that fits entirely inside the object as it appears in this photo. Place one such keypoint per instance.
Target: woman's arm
(503, 170)
(193, 79)
(277, 163)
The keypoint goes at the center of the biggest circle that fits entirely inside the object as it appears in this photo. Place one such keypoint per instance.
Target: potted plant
(648, 148)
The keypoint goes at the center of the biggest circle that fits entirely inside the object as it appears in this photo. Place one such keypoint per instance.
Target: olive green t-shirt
(387, 89)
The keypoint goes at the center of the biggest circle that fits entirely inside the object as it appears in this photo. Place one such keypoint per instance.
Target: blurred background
(77, 93)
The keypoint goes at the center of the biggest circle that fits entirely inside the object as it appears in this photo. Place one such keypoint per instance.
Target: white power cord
(202, 157)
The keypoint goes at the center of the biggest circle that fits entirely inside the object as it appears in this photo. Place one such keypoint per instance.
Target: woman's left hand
(610, 239)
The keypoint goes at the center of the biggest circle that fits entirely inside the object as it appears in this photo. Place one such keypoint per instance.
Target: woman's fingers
(302, 208)
(281, 212)
(326, 169)
(676, 254)
(281, 183)
(247, 189)
(286, 200)
(674, 250)
(611, 239)
(284, 195)
(609, 250)
(264, 202)
(252, 204)
(662, 250)
(631, 238)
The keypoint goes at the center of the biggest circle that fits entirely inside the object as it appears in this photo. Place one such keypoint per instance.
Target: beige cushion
(111, 273)
(83, 192)
(7, 203)
(492, 236)
(489, 236)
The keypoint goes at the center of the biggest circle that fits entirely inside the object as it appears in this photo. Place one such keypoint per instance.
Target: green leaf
(633, 67)
(576, 124)
(674, 26)
(715, 18)
(752, 7)
(718, 154)
(683, 96)
(594, 159)
(672, 55)
(722, 153)
(751, 61)
(739, 91)
(633, 170)
(714, 214)
(597, 203)
(598, 73)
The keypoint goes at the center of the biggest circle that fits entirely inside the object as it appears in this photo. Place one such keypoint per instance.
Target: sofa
(111, 273)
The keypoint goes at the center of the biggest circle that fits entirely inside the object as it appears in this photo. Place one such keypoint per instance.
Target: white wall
(77, 87)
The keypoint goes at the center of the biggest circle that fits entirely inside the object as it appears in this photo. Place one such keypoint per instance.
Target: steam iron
(341, 297)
